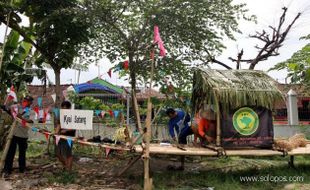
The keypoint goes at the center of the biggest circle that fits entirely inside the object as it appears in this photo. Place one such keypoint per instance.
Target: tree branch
(272, 42)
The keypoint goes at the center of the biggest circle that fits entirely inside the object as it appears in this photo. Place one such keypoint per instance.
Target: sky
(267, 12)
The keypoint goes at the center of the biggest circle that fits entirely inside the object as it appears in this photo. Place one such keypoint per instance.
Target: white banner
(76, 119)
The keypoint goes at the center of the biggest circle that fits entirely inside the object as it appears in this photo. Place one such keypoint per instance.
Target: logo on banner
(245, 121)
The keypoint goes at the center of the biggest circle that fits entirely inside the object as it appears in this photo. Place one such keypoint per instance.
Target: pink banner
(57, 138)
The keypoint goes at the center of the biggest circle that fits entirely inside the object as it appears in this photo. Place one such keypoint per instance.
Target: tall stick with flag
(160, 43)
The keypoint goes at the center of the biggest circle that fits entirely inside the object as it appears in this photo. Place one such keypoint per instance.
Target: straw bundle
(283, 144)
(298, 140)
(293, 142)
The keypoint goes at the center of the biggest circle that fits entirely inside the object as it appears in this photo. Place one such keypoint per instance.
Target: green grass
(268, 170)
(62, 177)
(36, 148)
(220, 173)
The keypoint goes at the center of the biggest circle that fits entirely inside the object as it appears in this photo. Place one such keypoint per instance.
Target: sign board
(76, 119)
(247, 127)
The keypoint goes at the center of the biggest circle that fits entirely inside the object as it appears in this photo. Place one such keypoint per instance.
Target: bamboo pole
(136, 106)
(148, 134)
(218, 122)
(7, 145)
(131, 163)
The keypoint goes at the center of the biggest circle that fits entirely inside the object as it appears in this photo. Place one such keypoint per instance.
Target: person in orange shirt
(204, 127)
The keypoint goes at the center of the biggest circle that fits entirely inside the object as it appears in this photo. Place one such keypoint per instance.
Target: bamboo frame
(218, 122)
(7, 145)
(148, 135)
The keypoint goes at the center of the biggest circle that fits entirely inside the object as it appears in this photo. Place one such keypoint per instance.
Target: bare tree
(272, 41)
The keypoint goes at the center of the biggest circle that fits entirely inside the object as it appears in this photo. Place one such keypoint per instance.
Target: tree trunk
(58, 93)
(135, 106)
(57, 87)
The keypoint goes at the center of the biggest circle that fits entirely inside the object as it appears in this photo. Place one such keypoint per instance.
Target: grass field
(258, 173)
(240, 173)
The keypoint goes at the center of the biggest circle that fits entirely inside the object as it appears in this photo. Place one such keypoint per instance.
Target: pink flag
(46, 136)
(158, 40)
(14, 110)
(57, 139)
(107, 151)
(102, 113)
(11, 95)
(110, 73)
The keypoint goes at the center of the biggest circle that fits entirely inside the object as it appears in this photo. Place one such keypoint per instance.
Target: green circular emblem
(245, 121)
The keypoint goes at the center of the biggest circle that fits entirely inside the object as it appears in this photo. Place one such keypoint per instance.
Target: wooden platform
(191, 151)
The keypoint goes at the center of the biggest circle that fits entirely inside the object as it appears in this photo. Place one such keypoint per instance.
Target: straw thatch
(234, 88)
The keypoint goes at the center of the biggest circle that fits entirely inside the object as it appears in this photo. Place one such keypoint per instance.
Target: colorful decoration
(110, 73)
(40, 101)
(27, 110)
(56, 112)
(102, 113)
(158, 40)
(97, 112)
(14, 110)
(54, 97)
(116, 112)
(34, 129)
(65, 94)
(107, 151)
(69, 141)
(46, 136)
(111, 113)
(36, 110)
(126, 65)
(57, 138)
(11, 95)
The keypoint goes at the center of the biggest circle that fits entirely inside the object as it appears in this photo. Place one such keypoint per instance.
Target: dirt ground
(91, 173)
(96, 173)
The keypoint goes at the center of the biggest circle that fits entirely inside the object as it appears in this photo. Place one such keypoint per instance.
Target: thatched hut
(229, 90)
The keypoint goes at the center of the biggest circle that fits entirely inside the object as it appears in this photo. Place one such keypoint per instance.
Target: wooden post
(148, 134)
(127, 111)
(135, 102)
(218, 122)
(7, 145)
(48, 145)
(291, 162)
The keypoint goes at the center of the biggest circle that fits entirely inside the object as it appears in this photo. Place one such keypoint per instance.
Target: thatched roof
(234, 88)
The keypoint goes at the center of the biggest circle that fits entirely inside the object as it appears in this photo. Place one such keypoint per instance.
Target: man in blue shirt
(179, 122)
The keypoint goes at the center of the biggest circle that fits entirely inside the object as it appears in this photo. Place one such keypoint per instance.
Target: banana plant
(16, 56)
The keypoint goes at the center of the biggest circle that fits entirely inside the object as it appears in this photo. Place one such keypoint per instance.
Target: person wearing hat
(20, 137)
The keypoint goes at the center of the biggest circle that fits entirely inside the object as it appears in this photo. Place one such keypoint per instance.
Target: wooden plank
(191, 151)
